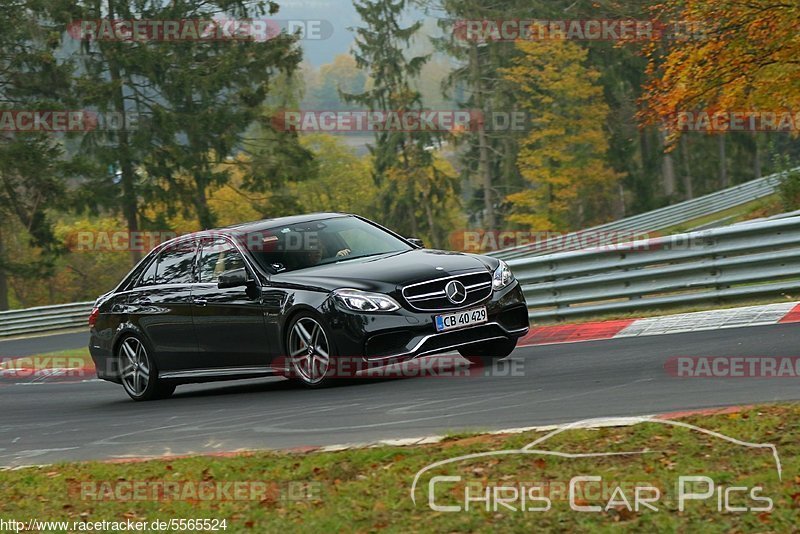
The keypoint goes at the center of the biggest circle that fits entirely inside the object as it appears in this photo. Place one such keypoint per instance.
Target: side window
(149, 276)
(217, 257)
(175, 264)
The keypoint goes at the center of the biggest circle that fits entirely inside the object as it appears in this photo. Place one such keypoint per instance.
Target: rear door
(229, 323)
(161, 304)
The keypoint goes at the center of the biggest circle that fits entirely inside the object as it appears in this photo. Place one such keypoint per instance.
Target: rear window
(174, 265)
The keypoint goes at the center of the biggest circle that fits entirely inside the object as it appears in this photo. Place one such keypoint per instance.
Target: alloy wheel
(135, 365)
(309, 351)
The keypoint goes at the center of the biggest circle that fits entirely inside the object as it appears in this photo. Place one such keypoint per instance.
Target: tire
(485, 354)
(310, 354)
(138, 372)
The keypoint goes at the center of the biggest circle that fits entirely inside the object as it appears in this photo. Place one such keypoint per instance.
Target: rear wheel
(485, 354)
(138, 372)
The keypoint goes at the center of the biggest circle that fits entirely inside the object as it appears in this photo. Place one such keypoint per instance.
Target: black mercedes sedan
(298, 296)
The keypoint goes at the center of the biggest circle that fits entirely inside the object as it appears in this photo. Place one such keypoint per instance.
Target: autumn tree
(342, 182)
(731, 56)
(322, 91)
(563, 157)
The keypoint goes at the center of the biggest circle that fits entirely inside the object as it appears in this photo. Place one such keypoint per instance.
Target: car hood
(387, 272)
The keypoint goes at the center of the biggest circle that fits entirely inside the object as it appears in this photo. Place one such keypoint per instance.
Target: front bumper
(388, 338)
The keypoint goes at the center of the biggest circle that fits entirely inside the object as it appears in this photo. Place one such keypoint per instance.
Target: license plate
(462, 319)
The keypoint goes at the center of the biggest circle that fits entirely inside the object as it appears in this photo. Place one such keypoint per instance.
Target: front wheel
(309, 351)
(139, 373)
(485, 354)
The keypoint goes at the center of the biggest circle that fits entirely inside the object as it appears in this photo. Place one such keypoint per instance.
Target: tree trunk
(3, 278)
(204, 215)
(667, 167)
(130, 203)
(621, 208)
(688, 185)
(432, 224)
(413, 216)
(483, 143)
(724, 181)
(756, 156)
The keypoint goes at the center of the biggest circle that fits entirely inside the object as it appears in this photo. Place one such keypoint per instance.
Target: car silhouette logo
(534, 448)
(455, 291)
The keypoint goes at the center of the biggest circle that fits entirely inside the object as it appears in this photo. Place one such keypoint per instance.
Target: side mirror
(417, 242)
(233, 278)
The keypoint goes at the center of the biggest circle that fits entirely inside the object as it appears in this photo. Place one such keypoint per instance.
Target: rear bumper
(104, 363)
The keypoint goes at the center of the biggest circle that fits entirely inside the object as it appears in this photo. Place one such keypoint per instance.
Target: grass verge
(367, 490)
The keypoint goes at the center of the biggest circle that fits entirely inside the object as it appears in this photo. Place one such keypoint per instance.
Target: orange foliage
(742, 56)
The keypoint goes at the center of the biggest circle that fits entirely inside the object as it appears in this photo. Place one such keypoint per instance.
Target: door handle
(200, 302)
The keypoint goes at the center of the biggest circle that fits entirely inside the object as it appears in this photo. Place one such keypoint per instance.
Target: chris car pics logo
(456, 492)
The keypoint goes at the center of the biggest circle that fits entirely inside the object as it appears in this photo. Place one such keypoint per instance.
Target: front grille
(438, 343)
(430, 295)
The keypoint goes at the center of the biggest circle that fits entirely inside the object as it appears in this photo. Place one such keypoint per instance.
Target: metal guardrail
(661, 218)
(44, 318)
(730, 263)
(722, 264)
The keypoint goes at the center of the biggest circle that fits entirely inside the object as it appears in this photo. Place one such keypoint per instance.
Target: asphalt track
(51, 422)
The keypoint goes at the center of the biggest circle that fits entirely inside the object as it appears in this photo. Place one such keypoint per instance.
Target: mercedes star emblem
(455, 291)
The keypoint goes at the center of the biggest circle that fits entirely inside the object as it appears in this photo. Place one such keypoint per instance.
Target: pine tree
(34, 169)
(415, 192)
(194, 100)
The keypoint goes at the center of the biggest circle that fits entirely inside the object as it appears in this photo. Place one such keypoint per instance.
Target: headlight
(363, 301)
(502, 276)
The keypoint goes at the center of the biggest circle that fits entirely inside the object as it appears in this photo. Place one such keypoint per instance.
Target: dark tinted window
(149, 276)
(217, 257)
(304, 245)
(175, 264)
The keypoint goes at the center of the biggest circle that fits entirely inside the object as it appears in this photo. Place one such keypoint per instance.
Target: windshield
(303, 245)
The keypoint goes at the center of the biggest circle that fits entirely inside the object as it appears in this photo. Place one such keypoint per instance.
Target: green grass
(762, 207)
(368, 490)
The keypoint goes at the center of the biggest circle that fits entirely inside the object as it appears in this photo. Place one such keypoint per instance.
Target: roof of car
(264, 224)
(243, 229)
